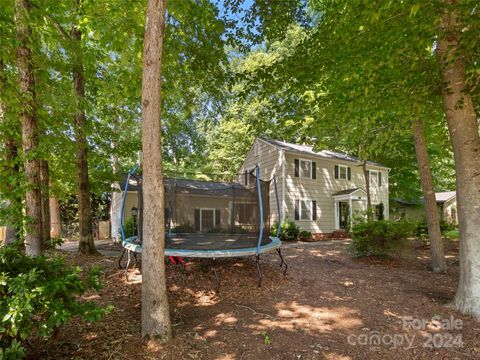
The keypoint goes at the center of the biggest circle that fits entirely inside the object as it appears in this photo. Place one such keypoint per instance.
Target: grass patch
(452, 234)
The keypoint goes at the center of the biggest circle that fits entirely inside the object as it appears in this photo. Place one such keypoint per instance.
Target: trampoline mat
(213, 241)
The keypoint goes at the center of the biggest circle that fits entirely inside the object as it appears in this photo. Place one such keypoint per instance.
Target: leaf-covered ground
(326, 308)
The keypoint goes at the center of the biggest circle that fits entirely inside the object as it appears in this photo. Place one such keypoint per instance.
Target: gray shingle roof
(346, 192)
(307, 149)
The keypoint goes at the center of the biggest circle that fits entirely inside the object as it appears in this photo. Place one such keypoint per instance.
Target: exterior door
(343, 215)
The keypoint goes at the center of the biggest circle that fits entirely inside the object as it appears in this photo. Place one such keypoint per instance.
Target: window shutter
(245, 174)
(197, 219)
(217, 217)
(314, 210)
(379, 178)
(349, 173)
(297, 168)
(336, 171)
(297, 209)
(314, 170)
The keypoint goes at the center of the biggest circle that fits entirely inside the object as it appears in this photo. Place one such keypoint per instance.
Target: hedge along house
(322, 191)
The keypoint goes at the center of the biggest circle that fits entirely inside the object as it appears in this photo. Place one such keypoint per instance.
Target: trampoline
(213, 220)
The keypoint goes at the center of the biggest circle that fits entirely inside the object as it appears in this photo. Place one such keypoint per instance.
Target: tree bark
(55, 221)
(463, 128)
(366, 175)
(44, 179)
(86, 244)
(431, 212)
(155, 309)
(28, 115)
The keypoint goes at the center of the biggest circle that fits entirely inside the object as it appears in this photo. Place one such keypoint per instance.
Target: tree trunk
(86, 244)
(366, 175)
(431, 211)
(44, 179)
(463, 128)
(155, 309)
(28, 115)
(55, 222)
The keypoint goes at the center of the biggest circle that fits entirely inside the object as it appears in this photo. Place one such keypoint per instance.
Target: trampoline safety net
(199, 215)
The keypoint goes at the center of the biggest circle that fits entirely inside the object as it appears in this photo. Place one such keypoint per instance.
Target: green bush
(421, 228)
(380, 238)
(288, 230)
(128, 228)
(184, 228)
(37, 296)
(305, 235)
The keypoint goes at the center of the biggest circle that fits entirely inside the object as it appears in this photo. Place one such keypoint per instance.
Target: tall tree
(45, 183)
(86, 244)
(464, 132)
(30, 134)
(155, 308)
(431, 213)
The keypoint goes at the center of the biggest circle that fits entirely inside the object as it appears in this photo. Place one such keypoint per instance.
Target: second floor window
(375, 178)
(343, 172)
(305, 169)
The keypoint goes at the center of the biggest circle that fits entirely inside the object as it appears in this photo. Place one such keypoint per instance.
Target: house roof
(444, 196)
(195, 187)
(346, 192)
(307, 149)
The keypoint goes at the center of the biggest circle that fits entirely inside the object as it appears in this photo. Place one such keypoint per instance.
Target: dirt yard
(329, 306)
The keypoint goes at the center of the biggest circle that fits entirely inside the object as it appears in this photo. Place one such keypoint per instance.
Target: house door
(343, 215)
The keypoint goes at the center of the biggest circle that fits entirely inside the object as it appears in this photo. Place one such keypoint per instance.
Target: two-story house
(322, 191)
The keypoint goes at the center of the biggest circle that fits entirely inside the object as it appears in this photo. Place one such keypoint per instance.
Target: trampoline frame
(132, 245)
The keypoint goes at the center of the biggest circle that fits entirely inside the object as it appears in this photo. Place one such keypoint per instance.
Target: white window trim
(370, 177)
(207, 209)
(339, 172)
(300, 209)
(300, 169)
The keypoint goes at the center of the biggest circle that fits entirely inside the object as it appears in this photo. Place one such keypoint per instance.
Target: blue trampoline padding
(274, 243)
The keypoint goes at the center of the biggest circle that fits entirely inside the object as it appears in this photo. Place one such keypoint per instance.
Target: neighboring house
(321, 191)
(446, 204)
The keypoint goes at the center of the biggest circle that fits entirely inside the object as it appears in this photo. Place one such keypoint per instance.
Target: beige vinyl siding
(323, 187)
(269, 161)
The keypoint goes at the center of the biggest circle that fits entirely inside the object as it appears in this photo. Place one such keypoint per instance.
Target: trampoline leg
(121, 258)
(259, 271)
(128, 264)
(282, 262)
(217, 276)
(136, 260)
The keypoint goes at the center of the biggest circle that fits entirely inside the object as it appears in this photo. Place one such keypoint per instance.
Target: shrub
(288, 230)
(184, 228)
(380, 238)
(305, 235)
(421, 228)
(128, 228)
(37, 296)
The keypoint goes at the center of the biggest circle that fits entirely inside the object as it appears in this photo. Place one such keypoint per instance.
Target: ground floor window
(305, 209)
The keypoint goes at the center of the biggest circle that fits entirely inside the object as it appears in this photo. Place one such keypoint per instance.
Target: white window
(256, 149)
(374, 178)
(306, 169)
(306, 210)
(342, 172)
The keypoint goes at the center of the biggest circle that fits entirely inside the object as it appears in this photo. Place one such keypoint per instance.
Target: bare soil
(327, 307)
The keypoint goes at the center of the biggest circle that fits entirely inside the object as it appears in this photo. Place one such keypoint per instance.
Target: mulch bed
(324, 309)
